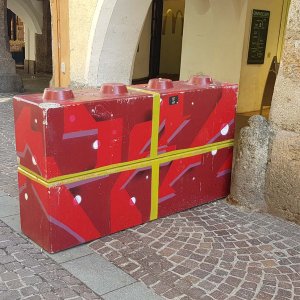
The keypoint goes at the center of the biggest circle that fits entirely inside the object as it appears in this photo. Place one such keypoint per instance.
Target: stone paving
(27, 273)
(216, 251)
(8, 170)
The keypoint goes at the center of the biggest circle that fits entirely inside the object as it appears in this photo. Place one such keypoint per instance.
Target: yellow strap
(112, 169)
(71, 178)
(155, 119)
(154, 190)
(33, 176)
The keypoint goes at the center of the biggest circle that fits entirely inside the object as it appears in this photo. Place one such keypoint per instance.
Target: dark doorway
(155, 44)
(159, 51)
(166, 38)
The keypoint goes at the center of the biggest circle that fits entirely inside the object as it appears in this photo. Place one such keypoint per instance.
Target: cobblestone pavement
(215, 251)
(8, 170)
(27, 273)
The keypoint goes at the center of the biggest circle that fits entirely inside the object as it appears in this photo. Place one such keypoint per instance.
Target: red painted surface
(91, 130)
(64, 216)
(204, 112)
(52, 94)
(189, 182)
(82, 131)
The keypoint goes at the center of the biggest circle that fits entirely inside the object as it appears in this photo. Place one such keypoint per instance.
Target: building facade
(123, 40)
(112, 41)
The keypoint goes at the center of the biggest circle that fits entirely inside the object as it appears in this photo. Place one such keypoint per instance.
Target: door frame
(156, 31)
(60, 43)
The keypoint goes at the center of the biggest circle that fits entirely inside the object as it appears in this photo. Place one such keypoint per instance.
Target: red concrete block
(63, 216)
(188, 182)
(194, 113)
(88, 162)
(62, 133)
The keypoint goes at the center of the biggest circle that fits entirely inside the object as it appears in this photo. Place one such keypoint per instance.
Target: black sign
(173, 100)
(258, 36)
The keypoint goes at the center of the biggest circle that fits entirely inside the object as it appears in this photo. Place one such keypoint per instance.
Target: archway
(114, 38)
(36, 69)
(160, 44)
(31, 13)
(16, 35)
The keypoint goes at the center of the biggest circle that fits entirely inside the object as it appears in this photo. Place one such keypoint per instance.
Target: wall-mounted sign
(258, 36)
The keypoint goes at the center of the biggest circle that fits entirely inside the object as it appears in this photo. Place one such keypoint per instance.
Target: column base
(29, 66)
(282, 177)
(10, 83)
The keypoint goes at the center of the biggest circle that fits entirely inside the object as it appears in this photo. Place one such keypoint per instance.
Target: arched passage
(114, 38)
(31, 13)
(28, 13)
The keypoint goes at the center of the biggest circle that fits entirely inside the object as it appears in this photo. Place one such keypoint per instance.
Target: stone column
(250, 164)
(9, 80)
(283, 172)
(44, 42)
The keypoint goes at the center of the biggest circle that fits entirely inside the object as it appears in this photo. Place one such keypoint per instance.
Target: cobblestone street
(216, 251)
(211, 252)
(8, 162)
(26, 273)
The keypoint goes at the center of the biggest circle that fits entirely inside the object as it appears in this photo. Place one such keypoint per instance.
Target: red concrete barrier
(95, 162)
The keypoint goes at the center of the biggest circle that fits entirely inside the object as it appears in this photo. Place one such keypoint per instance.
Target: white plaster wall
(30, 11)
(118, 37)
(100, 23)
(216, 40)
(30, 49)
(213, 38)
(141, 64)
(253, 77)
(36, 6)
(81, 14)
(104, 37)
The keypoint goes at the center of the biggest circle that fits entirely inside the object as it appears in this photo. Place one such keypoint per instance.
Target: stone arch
(28, 12)
(31, 13)
(114, 38)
